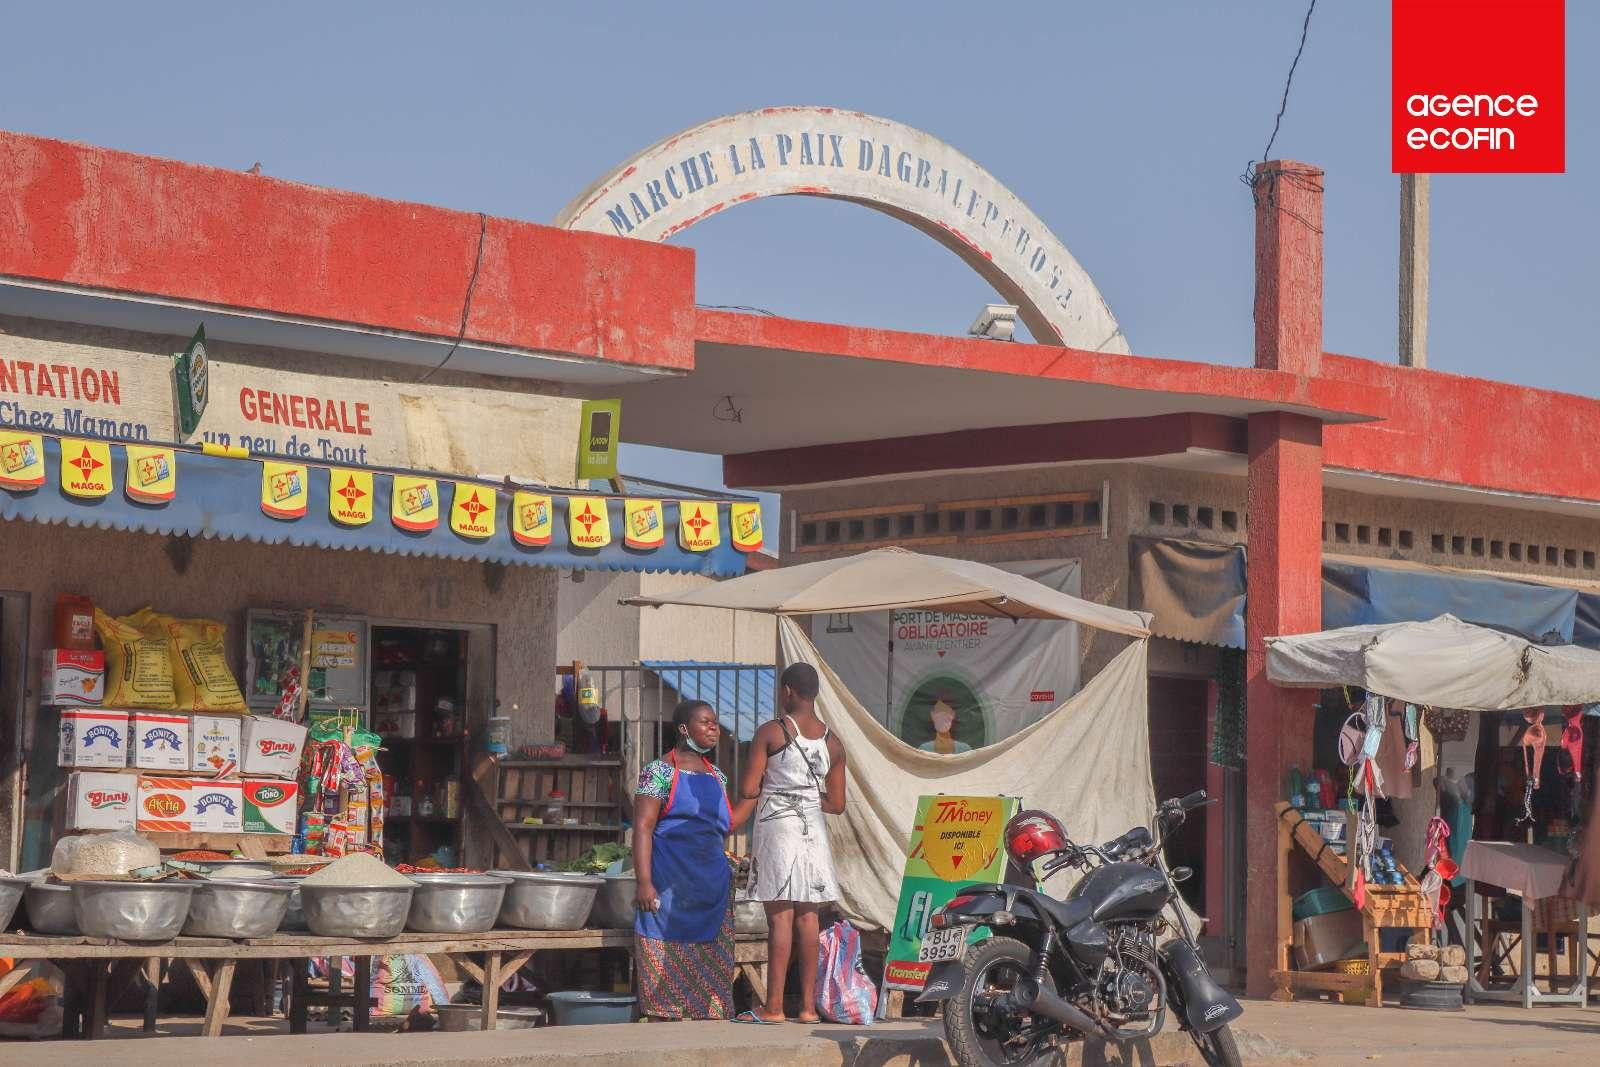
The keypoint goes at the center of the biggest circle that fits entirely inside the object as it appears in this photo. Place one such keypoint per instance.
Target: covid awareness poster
(950, 682)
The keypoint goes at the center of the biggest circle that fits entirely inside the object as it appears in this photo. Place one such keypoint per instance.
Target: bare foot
(770, 1016)
(813, 1018)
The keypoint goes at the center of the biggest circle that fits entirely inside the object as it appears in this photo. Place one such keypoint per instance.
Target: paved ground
(1271, 1035)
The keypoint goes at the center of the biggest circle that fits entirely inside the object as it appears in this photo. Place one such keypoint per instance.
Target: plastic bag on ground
(32, 1007)
(844, 992)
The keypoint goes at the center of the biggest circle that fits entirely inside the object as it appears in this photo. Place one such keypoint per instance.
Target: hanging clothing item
(685, 949)
(790, 856)
(1388, 753)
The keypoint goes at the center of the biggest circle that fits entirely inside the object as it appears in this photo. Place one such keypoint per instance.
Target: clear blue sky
(1123, 125)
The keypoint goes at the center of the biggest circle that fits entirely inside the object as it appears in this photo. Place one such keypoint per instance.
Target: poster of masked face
(947, 682)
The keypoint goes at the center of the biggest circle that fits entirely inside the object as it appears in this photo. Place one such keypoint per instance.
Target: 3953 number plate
(940, 946)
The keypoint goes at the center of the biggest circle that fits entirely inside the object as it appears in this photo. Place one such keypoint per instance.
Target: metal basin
(453, 1017)
(222, 908)
(456, 903)
(356, 911)
(541, 900)
(132, 911)
(294, 916)
(49, 907)
(613, 904)
(11, 890)
(749, 917)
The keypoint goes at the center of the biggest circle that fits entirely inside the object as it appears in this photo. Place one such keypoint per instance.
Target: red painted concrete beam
(1341, 400)
(1066, 442)
(1468, 431)
(92, 217)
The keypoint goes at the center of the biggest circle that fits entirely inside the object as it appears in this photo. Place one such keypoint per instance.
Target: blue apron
(687, 864)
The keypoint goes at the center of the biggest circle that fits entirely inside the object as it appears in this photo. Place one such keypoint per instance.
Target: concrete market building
(1144, 469)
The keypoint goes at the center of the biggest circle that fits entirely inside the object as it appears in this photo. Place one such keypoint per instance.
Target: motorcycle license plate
(941, 946)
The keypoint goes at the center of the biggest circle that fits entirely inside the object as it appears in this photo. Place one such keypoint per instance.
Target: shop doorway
(431, 689)
(13, 744)
(1178, 766)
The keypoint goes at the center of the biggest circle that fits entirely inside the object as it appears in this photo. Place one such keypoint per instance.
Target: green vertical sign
(598, 430)
(955, 841)
(191, 374)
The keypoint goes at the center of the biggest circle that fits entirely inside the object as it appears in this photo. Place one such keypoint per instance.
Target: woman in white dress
(796, 775)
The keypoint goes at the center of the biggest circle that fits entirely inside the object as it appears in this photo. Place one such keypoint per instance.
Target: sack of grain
(102, 855)
(1420, 970)
(1453, 975)
(138, 670)
(200, 671)
(1453, 956)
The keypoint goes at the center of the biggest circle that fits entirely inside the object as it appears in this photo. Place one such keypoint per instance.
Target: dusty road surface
(1292, 1035)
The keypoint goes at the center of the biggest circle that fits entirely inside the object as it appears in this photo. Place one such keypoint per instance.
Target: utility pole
(1414, 270)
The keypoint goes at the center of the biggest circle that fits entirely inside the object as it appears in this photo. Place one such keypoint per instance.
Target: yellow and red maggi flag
(472, 510)
(85, 468)
(414, 503)
(588, 522)
(284, 489)
(532, 519)
(152, 474)
(349, 496)
(645, 528)
(21, 460)
(698, 528)
(746, 522)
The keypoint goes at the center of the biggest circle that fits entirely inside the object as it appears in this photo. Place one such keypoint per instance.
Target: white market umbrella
(885, 579)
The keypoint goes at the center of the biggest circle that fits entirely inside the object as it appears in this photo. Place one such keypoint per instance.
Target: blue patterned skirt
(686, 980)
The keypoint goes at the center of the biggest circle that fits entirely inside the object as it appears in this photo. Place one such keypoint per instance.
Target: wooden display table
(1387, 907)
(488, 957)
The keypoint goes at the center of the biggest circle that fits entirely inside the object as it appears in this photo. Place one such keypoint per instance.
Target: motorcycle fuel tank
(1123, 891)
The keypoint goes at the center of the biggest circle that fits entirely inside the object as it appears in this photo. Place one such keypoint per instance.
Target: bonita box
(218, 807)
(93, 738)
(160, 741)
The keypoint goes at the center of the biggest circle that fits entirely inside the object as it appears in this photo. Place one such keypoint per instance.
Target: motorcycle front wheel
(1218, 1047)
(979, 1037)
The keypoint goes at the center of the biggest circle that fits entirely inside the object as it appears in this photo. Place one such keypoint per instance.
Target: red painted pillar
(1284, 569)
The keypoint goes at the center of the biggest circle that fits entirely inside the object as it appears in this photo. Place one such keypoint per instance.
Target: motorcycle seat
(1064, 913)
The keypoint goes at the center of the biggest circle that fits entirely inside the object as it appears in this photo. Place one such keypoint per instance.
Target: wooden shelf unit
(592, 787)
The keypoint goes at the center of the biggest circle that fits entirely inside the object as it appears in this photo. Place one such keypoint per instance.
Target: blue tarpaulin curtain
(219, 497)
(1196, 592)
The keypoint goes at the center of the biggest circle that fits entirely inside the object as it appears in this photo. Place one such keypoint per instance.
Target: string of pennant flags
(87, 473)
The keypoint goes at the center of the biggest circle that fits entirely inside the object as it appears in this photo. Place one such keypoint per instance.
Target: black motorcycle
(1089, 966)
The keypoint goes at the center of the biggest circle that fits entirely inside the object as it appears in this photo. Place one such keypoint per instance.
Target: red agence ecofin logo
(1479, 87)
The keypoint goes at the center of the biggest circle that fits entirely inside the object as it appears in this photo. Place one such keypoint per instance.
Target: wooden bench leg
(152, 992)
(95, 1024)
(297, 996)
(362, 989)
(491, 988)
(221, 989)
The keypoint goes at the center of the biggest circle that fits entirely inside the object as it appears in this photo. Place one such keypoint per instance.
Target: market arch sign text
(884, 165)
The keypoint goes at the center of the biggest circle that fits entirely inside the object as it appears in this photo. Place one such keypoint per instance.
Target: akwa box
(272, 747)
(216, 807)
(160, 741)
(214, 743)
(93, 737)
(164, 804)
(72, 678)
(270, 807)
(98, 800)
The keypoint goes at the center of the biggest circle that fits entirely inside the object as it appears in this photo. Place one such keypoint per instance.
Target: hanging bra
(1534, 740)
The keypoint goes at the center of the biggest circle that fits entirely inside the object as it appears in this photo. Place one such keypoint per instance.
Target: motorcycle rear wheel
(1218, 1048)
(992, 965)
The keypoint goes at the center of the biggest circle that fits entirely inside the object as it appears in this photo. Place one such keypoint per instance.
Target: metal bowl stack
(49, 907)
(249, 908)
(131, 911)
(376, 912)
(613, 904)
(543, 900)
(456, 903)
(11, 890)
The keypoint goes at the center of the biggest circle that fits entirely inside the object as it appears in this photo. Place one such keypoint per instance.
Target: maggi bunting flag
(349, 496)
(284, 489)
(588, 522)
(21, 460)
(644, 526)
(532, 519)
(85, 468)
(414, 503)
(472, 510)
(746, 522)
(698, 528)
(152, 474)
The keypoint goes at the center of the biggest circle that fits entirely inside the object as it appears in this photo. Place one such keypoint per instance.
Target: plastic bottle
(74, 622)
(1297, 786)
(555, 807)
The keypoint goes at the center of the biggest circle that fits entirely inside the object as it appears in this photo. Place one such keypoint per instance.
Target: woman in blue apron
(684, 926)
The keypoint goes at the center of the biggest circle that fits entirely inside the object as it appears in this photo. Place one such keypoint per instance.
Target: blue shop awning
(741, 694)
(1195, 591)
(219, 497)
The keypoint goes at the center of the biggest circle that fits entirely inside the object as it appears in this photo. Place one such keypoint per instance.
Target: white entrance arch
(884, 165)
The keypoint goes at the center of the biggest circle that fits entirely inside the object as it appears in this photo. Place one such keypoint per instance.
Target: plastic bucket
(582, 1008)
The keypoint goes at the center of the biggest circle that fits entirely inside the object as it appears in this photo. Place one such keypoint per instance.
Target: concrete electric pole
(1414, 270)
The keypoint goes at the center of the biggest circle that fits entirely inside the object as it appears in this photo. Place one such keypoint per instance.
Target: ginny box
(98, 800)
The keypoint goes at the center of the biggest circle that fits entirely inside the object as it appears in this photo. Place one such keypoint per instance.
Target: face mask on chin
(699, 749)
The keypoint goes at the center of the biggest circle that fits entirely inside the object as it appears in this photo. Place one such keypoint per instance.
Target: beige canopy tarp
(888, 578)
(1441, 663)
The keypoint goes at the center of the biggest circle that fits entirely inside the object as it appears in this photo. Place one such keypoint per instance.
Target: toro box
(270, 807)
